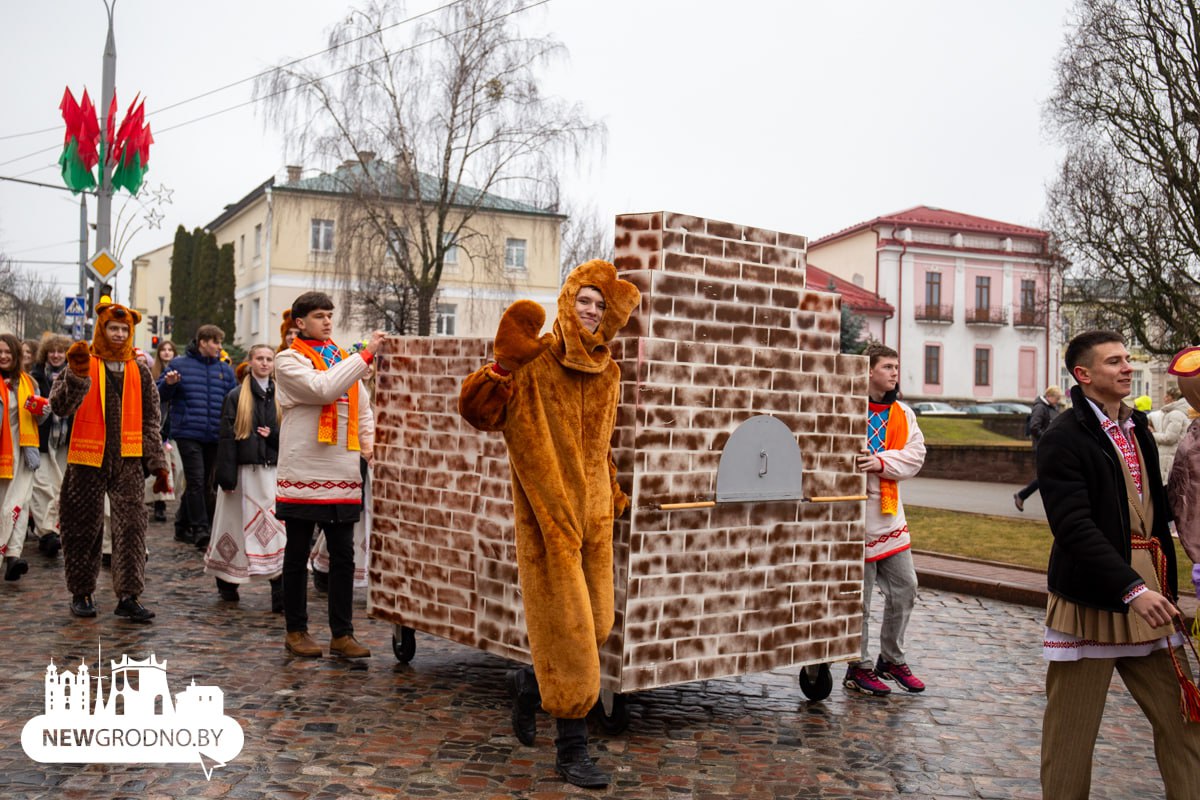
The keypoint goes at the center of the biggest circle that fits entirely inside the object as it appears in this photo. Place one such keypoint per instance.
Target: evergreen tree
(223, 288)
(853, 325)
(181, 283)
(203, 283)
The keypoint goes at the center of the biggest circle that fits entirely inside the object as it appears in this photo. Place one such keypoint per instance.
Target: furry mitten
(33, 459)
(79, 358)
(161, 485)
(517, 342)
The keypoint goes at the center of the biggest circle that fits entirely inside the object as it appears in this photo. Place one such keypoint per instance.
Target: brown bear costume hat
(101, 347)
(578, 348)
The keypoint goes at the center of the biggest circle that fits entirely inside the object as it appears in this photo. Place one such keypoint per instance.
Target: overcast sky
(803, 116)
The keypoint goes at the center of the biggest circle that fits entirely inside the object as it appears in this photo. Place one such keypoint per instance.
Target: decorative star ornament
(162, 195)
(154, 218)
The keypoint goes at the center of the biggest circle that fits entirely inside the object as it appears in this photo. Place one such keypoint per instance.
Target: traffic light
(106, 292)
(168, 325)
(154, 342)
(154, 324)
(105, 295)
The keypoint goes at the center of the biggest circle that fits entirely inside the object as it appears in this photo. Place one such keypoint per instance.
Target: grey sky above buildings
(803, 116)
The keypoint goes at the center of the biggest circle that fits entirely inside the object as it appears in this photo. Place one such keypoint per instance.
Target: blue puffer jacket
(197, 398)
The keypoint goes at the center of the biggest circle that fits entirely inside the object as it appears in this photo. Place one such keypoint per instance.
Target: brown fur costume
(557, 412)
(285, 326)
(121, 478)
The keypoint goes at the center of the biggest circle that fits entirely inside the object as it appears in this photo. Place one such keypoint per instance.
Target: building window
(451, 254)
(933, 289)
(1028, 296)
(445, 319)
(933, 364)
(983, 366)
(254, 312)
(983, 293)
(258, 240)
(322, 236)
(514, 254)
(242, 252)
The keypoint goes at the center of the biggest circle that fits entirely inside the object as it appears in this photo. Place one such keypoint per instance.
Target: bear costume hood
(285, 326)
(580, 349)
(101, 347)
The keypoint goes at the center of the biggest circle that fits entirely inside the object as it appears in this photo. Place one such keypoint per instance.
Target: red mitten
(79, 358)
(517, 342)
(161, 484)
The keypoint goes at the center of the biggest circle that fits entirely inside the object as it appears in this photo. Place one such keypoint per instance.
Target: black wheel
(405, 647)
(618, 720)
(816, 681)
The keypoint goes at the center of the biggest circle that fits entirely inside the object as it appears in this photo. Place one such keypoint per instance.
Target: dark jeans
(199, 470)
(1029, 489)
(339, 538)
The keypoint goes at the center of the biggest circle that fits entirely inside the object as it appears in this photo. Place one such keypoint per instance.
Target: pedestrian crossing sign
(73, 306)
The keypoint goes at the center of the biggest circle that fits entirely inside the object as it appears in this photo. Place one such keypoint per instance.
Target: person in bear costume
(114, 437)
(1183, 481)
(554, 398)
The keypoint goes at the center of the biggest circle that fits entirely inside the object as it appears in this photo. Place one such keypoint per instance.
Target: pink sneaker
(866, 681)
(900, 673)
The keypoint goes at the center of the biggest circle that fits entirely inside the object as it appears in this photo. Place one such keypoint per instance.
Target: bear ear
(102, 307)
(137, 315)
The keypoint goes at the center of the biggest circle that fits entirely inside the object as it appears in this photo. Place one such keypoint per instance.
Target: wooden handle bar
(848, 498)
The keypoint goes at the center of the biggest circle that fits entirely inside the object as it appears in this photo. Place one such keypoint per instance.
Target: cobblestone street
(439, 726)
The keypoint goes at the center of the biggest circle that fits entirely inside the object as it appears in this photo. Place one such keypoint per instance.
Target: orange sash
(894, 438)
(327, 423)
(88, 430)
(27, 432)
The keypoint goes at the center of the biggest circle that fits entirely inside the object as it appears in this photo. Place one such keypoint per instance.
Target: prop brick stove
(726, 331)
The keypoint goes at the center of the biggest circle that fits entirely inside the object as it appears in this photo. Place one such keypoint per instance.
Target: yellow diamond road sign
(103, 264)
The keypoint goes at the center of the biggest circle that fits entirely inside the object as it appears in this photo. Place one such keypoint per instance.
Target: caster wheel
(816, 681)
(404, 643)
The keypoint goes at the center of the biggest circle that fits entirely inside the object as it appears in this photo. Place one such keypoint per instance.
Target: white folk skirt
(247, 540)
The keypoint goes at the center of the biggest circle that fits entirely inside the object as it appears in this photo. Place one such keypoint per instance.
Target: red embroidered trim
(896, 534)
(284, 484)
(1091, 643)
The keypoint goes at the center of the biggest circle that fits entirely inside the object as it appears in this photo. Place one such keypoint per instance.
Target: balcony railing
(1025, 317)
(992, 315)
(934, 313)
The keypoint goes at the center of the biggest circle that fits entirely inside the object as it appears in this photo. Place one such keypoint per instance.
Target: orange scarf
(27, 432)
(894, 438)
(327, 423)
(88, 431)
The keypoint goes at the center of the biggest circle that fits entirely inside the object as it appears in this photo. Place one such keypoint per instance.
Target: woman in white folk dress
(247, 539)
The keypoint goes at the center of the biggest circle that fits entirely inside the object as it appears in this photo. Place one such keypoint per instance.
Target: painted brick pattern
(726, 331)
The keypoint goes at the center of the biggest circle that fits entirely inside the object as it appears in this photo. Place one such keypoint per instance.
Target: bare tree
(1125, 207)
(29, 303)
(459, 117)
(585, 235)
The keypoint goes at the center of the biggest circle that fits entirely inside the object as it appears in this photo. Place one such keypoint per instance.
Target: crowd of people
(270, 465)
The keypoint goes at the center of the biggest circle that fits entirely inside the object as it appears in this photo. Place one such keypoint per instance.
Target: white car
(933, 408)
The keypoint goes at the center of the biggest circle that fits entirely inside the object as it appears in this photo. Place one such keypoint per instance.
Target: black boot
(160, 511)
(201, 537)
(277, 595)
(227, 590)
(572, 761)
(523, 689)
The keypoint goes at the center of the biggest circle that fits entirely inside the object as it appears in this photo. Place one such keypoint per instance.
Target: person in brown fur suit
(555, 399)
(115, 433)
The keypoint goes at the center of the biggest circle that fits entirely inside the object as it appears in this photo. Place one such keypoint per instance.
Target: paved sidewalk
(439, 726)
(976, 497)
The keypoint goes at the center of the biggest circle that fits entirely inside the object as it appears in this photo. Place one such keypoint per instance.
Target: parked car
(1011, 408)
(985, 408)
(933, 407)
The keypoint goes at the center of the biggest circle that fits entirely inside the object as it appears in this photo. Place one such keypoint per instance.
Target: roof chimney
(365, 156)
(293, 173)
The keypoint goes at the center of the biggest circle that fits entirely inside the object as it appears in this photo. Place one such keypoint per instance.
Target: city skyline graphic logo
(135, 720)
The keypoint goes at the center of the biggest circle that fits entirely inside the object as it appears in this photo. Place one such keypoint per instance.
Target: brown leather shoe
(348, 647)
(299, 643)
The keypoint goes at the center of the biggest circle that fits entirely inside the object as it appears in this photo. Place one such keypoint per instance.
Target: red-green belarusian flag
(79, 155)
(131, 149)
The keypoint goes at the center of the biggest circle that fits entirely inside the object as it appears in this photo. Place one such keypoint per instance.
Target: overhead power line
(239, 82)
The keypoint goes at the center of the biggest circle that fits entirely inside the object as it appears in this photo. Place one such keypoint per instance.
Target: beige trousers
(1075, 695)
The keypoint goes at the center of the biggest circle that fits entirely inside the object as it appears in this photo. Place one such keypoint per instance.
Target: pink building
(972, 298)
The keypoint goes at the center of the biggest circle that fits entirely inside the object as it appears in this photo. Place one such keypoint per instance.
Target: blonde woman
(247, 539)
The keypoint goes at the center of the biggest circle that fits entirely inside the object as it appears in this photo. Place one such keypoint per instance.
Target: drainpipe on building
(900, 298)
